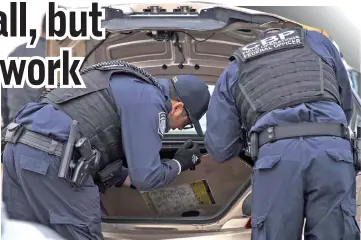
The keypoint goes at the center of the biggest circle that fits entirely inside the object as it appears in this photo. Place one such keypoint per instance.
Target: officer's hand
(188, 156)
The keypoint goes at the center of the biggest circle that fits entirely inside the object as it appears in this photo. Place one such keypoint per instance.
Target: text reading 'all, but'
(61, 23)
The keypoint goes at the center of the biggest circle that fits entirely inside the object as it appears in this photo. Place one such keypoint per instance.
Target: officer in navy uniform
(290, 93)
(123, 113)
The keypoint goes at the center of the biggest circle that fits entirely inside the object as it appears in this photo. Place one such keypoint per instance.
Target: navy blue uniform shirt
(223, 138)
(139, 106)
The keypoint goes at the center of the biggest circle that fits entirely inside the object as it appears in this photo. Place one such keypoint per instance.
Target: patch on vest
(162, 125)
(274, 42)
(194, 159)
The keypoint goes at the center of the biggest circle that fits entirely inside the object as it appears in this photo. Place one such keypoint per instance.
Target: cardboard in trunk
(202, 192)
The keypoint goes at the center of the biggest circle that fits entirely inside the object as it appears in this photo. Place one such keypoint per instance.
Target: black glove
(188, 156)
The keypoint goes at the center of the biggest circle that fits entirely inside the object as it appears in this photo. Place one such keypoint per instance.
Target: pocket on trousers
(263, 169)
(340, 155)
(35, 165)
(351, 228)
(267, 162)
(258, 227)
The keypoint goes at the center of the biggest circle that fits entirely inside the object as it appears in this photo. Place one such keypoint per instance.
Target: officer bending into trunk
(290, 93)
(53, 164)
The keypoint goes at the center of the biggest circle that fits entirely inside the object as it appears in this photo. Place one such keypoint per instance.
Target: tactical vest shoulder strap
(115, 66)
(125, 67)
(121, 66)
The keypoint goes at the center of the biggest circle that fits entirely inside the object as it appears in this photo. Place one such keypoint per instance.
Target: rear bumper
(241, 234)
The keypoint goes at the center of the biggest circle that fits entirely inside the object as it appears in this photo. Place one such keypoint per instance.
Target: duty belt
(16, 133)
(75, 169)
(308, 129)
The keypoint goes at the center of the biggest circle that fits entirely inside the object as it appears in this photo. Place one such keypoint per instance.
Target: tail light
(249, 223)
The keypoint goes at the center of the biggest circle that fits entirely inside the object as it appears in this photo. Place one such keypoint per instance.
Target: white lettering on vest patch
(276, 42)
(162, 123)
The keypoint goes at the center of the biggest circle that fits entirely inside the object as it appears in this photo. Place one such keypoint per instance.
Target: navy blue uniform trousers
(312, 178)
(33, 192)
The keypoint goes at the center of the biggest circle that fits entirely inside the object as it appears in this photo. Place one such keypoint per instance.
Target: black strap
(40, 142)
(275, 133)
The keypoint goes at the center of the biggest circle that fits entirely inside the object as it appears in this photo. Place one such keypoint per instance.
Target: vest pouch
(109, 151)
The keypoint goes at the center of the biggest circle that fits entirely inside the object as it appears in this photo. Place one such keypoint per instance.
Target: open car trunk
(201, 194)
(174, 39)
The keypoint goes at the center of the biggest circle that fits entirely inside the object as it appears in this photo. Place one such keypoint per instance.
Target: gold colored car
(214, 201)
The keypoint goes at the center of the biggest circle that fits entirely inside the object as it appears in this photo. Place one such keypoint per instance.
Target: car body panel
(237, 234)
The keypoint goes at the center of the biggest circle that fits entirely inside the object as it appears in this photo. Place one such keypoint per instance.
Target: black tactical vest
(281, 71)
(94, 107)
